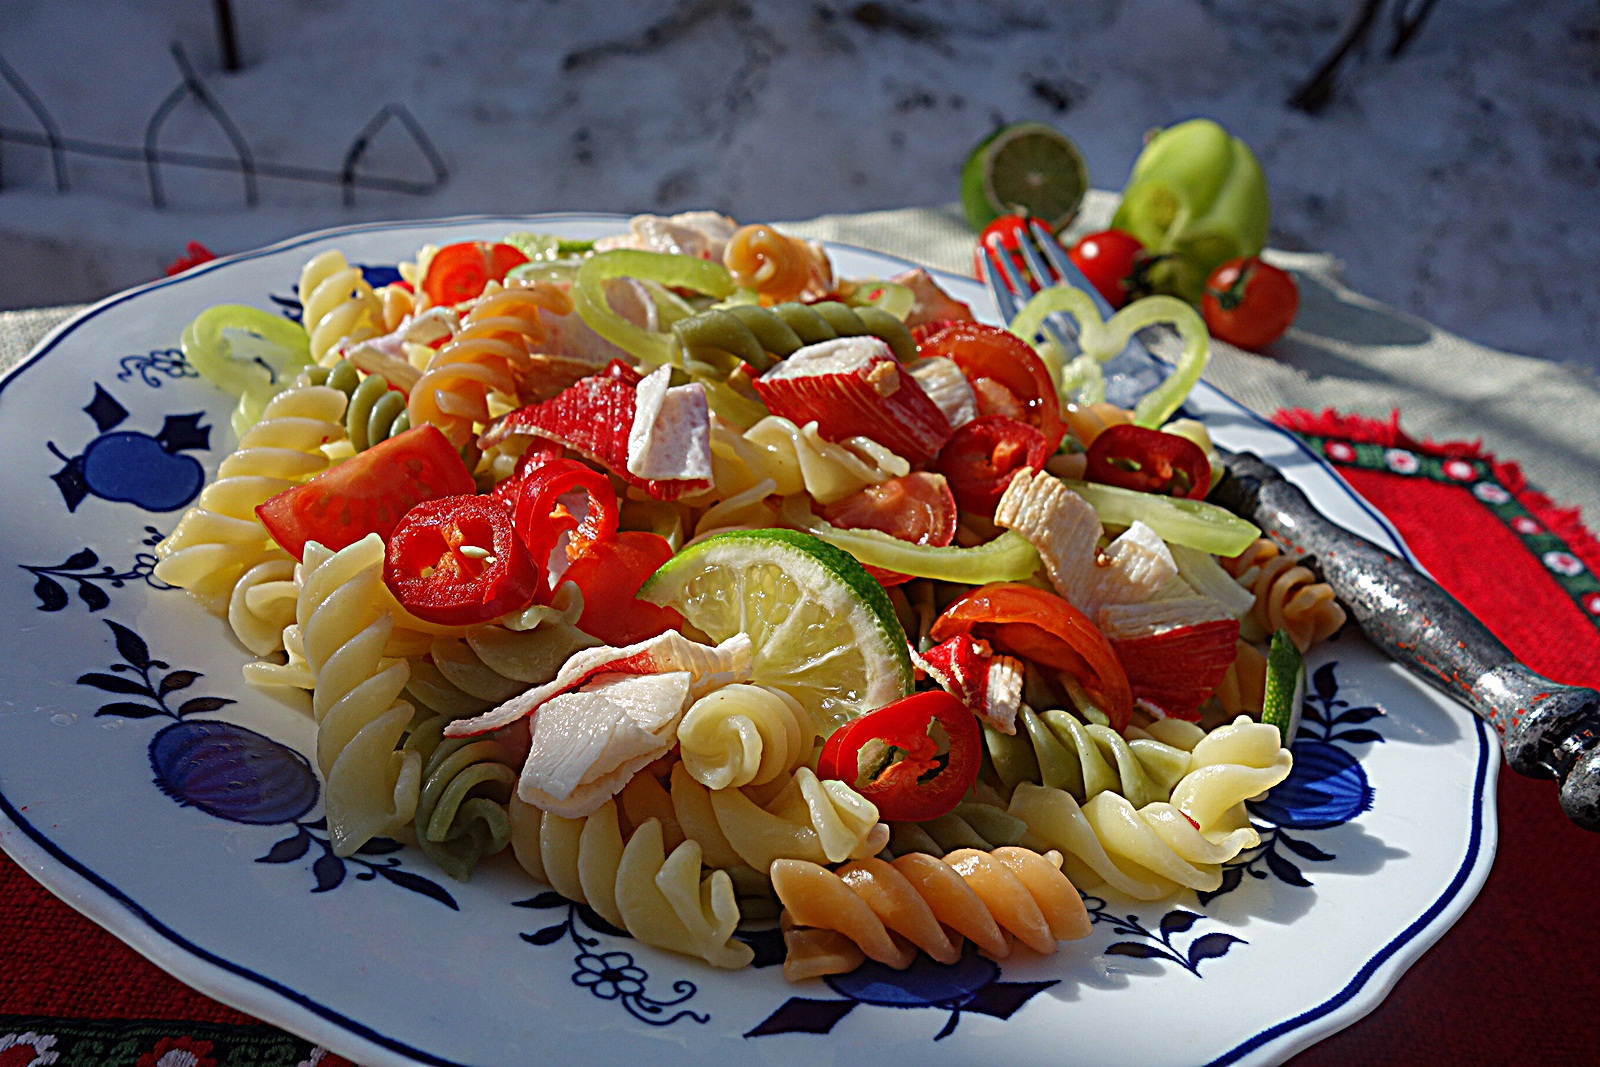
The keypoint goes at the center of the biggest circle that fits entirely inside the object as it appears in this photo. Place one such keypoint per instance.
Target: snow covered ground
(1460, 182)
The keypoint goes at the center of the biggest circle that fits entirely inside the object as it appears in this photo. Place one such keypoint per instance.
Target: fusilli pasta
(461, 805)
(744, 735)
(1288, 596)
(933, 904)
(220, 537)
(1152, 851)
(372, 783)
(631, 881)
(761, 335)
(776, 266)
(338, 307)
(1054, 749)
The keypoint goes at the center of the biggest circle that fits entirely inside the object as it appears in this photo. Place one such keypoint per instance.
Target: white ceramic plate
(1374, 847)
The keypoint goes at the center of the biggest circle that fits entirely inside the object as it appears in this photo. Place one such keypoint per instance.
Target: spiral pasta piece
(778, 267)
(338, 307)
(467, 675)
(972, 824)
(1152, 851)
(461, 805)
(922, 902)
(797, 459)
(631, 880)
(262, 605)
(1288, 596)
(1243, 690)
(804, 818)
(744, 735)
(489, 355)
(375, 410)
(1055, 749)
(760, 336)
(220, 537)
(344, 628)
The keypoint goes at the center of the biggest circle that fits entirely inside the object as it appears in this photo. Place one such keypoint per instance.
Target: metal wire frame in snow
(243, 161)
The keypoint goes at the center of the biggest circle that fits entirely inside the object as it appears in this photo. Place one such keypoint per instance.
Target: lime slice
(821, 628)
(1286, 687)
(1025, 168)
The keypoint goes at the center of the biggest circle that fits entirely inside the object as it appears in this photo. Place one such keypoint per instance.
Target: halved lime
(823, 630)
(1286, 687)
(1024, 168)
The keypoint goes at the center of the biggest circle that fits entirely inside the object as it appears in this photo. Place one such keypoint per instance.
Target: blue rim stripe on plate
(355, 1028)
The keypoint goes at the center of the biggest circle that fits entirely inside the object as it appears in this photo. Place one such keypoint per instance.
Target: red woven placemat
(1514, 981)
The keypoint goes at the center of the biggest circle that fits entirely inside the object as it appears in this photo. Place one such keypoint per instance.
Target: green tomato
(1196, 194)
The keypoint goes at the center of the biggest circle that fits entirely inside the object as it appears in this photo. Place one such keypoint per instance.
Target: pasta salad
(720, 590)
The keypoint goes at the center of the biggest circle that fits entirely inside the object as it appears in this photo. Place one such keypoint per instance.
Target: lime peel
(1286, 686)
(822, 629)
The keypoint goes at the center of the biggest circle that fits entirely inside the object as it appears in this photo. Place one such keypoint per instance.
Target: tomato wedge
(367, 493)
(917, 507)
(1007, 361)
(610, 573)
(1149, 461)
(914, 759)
(457, 561)
(983, 456)
(459, 272)
(1038, 625)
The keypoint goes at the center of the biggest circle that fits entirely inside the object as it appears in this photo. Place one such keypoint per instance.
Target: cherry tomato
(610, 573)
(1132, 457)
(895, 758)
(1038, 625)
(980, 460)
(1110, 260)
(1018, 385)
(367, 493)
(1249, 303)
(457, 561)
(1008, 232)
(459, 272)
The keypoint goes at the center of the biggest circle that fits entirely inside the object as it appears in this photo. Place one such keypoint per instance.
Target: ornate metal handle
(1548, 730)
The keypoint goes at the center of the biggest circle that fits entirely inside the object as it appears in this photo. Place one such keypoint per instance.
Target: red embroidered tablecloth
(1514, 981)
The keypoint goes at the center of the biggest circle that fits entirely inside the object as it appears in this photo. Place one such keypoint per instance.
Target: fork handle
(1548, 730)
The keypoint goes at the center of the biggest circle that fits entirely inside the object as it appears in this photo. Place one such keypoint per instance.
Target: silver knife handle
(1548, 730)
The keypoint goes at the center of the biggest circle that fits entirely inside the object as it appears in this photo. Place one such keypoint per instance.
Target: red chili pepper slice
(1005, 360)
(457, 561)
(983, 456)
(540, 517)
(459, 272)
(1132, 457)
(895, 758)
(1029, 622)
(610, 572)
(367, 493)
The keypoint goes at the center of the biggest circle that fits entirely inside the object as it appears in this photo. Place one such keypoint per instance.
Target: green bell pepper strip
(1185, 522)
(1008, 558)
(247, 353)
(1102, 339)
(650, 347)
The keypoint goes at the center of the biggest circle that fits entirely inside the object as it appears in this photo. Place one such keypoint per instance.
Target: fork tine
(997, 268)
(1030, 254)
(1052, 250)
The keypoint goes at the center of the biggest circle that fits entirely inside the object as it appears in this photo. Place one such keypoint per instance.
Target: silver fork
(1127, 377)
(1548, 730)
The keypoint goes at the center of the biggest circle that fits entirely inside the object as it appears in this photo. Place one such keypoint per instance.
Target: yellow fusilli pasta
(372, 783)
(338, 306)
(1152, 851)
(220, 537)
(744, 735)
(631, 881)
